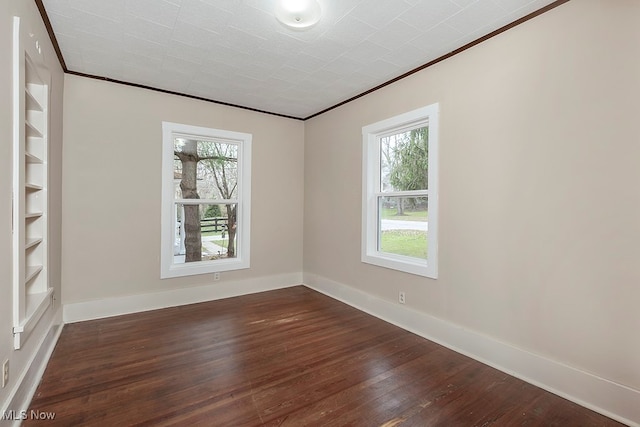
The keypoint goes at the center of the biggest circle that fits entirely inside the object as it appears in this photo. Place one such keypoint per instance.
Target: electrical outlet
(401, 298)
(5, 373)
(216, 276)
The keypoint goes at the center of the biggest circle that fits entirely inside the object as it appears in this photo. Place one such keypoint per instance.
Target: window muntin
(206, 200)
(400, 192)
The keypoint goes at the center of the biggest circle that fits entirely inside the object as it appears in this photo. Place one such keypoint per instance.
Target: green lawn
(390, 213)
(404, 242)
(211, 233)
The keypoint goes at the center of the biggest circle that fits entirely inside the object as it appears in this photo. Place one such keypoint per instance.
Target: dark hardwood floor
(289, 357)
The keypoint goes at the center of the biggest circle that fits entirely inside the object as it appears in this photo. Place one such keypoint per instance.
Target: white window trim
(242, 259)
(371, 135)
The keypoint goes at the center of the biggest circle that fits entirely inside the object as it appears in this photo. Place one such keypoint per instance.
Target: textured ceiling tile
(204, 16)
(97, 43)
(156, 11)
(240, 40)
(526, 9)
(359, 77)
(69, 43)
(259, 73)
(442, 35)
(367, 51)
(305, 63)
(60, 6)
(324, 77)
(334, 10)
(193, 36)
(265, 6)
(326, 49)
(63, 25)
(267, 58)
(255, 22)
(465, 3)
(186, 52)
(309, 36)
(171, 65)
(513, 5)
(147, 30)
(210, 84)
(73, 60)
(395, 34)
(349, 31)
(426, 14)
(311, 84)
(343, 65)
(385, 70)
(112, 9)
(143, 48)
(476, 16)
(283, 44)
(214, 71)
(381, 14)
(101, 27)
(134, 60)
(407, 57)
(106, 60)
(174, 82)
(289, 74)
(232, 6)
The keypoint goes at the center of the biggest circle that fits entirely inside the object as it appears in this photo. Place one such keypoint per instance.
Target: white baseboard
(611, 399)
(108, 307)
(30, 378)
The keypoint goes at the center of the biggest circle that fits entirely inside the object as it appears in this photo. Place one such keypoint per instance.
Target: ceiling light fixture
(298, 14)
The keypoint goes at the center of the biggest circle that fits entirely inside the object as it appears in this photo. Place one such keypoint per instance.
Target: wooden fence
(216, 224)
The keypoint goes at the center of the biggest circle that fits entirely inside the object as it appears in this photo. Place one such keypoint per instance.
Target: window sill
(203, 267)
(401, 263)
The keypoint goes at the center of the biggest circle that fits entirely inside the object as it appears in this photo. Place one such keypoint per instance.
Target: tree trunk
(400, 207)
(231, 228)
(188, 185)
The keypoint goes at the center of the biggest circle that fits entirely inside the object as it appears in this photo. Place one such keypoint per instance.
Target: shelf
(33, 187)
(32, 130)
(32, 242)
(31, 272)
(32, 102)
(32, 158)
(33, 215)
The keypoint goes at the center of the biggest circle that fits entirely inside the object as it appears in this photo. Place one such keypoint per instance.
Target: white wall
(539, 198)
(112, 190)
(20, 360)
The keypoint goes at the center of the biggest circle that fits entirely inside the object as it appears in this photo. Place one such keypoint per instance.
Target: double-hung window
(400, 198)
(206, 200)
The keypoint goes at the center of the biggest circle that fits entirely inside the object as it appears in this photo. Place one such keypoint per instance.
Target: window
(206, 200)
(400, 198)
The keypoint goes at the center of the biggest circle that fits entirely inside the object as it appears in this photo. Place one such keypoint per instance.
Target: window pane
(403, 226)
(204, 232)
(404, 159)
(205, 169)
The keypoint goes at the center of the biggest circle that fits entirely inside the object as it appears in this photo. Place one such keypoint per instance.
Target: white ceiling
(235, 51)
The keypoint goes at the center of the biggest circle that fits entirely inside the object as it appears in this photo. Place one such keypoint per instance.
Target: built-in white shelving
(32, 293)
